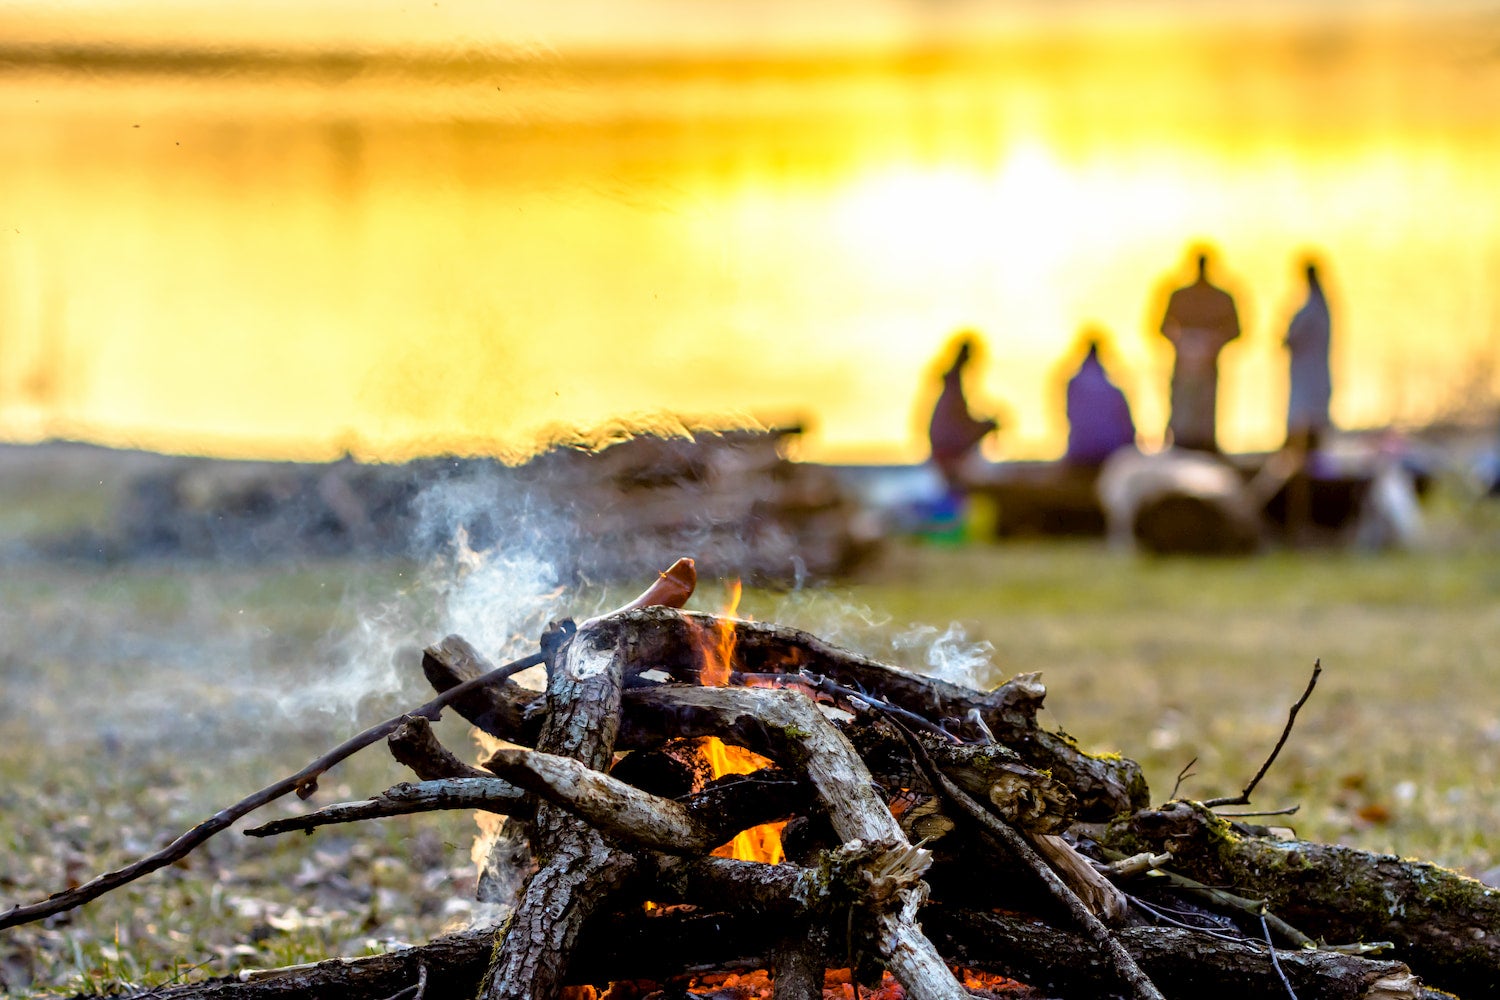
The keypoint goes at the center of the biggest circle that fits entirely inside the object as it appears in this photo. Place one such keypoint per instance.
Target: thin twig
(304, 783)
(1276, 962)
(818, 682)
(812, 684)
(1183, 775)
(1166, 918)
(1243, 799)
(489, 794)
(1287, 811)
(1226, 900)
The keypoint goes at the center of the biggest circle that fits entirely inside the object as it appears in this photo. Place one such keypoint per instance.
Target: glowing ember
(758, 984)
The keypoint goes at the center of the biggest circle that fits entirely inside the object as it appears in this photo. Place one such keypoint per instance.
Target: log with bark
(927, 827)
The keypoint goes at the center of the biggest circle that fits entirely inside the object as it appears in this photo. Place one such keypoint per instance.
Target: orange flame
(759, 843)
(719, 654)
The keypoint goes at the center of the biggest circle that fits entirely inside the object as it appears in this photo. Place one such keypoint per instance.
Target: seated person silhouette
(953, 432)
(1099, 421)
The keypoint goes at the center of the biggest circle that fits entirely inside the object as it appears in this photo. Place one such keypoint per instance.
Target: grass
(140, 699)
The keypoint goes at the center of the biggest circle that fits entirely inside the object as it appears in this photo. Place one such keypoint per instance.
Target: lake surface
(296, 256)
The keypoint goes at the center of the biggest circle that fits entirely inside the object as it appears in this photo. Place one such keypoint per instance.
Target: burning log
(635, 947)
(783, 725)
(861, 759)
(671, 641)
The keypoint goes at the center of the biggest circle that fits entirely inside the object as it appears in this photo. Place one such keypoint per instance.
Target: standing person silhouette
(1199, 321)
(1307, 341)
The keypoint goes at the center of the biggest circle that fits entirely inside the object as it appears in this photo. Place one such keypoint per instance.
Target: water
(300, 256)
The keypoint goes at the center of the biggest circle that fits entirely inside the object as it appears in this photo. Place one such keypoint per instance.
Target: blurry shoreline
(1446, 35)
(589, 510)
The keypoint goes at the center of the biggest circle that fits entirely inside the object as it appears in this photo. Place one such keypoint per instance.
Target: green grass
(139, 700)
(1171, 661)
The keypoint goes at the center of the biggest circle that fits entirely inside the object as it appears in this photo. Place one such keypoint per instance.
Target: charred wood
(417, 746)
(505, 710)
(671, 640)
(674, 769)
(633, 945)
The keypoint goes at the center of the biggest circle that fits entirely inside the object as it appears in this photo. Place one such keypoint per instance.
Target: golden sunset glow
(482, 225)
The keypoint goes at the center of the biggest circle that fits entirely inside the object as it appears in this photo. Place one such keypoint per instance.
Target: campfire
(707, 805)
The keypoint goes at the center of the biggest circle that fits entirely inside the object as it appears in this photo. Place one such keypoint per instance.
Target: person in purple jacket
(1099, 421)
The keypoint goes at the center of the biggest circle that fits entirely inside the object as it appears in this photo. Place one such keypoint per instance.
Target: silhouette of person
(1199, 321)
(953, 432)
(1099, 421)
(1307, 341)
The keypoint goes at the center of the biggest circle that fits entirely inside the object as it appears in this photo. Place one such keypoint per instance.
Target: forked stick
(1243, 799)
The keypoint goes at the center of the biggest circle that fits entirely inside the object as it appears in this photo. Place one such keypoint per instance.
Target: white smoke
(491, 576)
(947, 654)
(951, 655)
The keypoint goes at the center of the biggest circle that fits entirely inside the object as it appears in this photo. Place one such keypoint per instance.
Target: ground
(141, 698)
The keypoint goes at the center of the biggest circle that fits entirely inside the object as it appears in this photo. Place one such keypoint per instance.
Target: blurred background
(383, 253)
(296, 230)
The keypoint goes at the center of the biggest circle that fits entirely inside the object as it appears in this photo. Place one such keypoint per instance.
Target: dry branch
(304, 783)
(488, 793)
(694, 825)
(1016, 844)
(417, 746)
(1444, 925)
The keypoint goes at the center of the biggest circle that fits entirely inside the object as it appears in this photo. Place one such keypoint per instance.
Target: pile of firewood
(937, 842)
(605, 508)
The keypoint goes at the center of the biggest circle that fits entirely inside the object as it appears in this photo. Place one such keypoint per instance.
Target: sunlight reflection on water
(298, 258)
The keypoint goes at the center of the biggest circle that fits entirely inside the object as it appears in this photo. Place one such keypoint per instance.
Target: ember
(838, 984)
